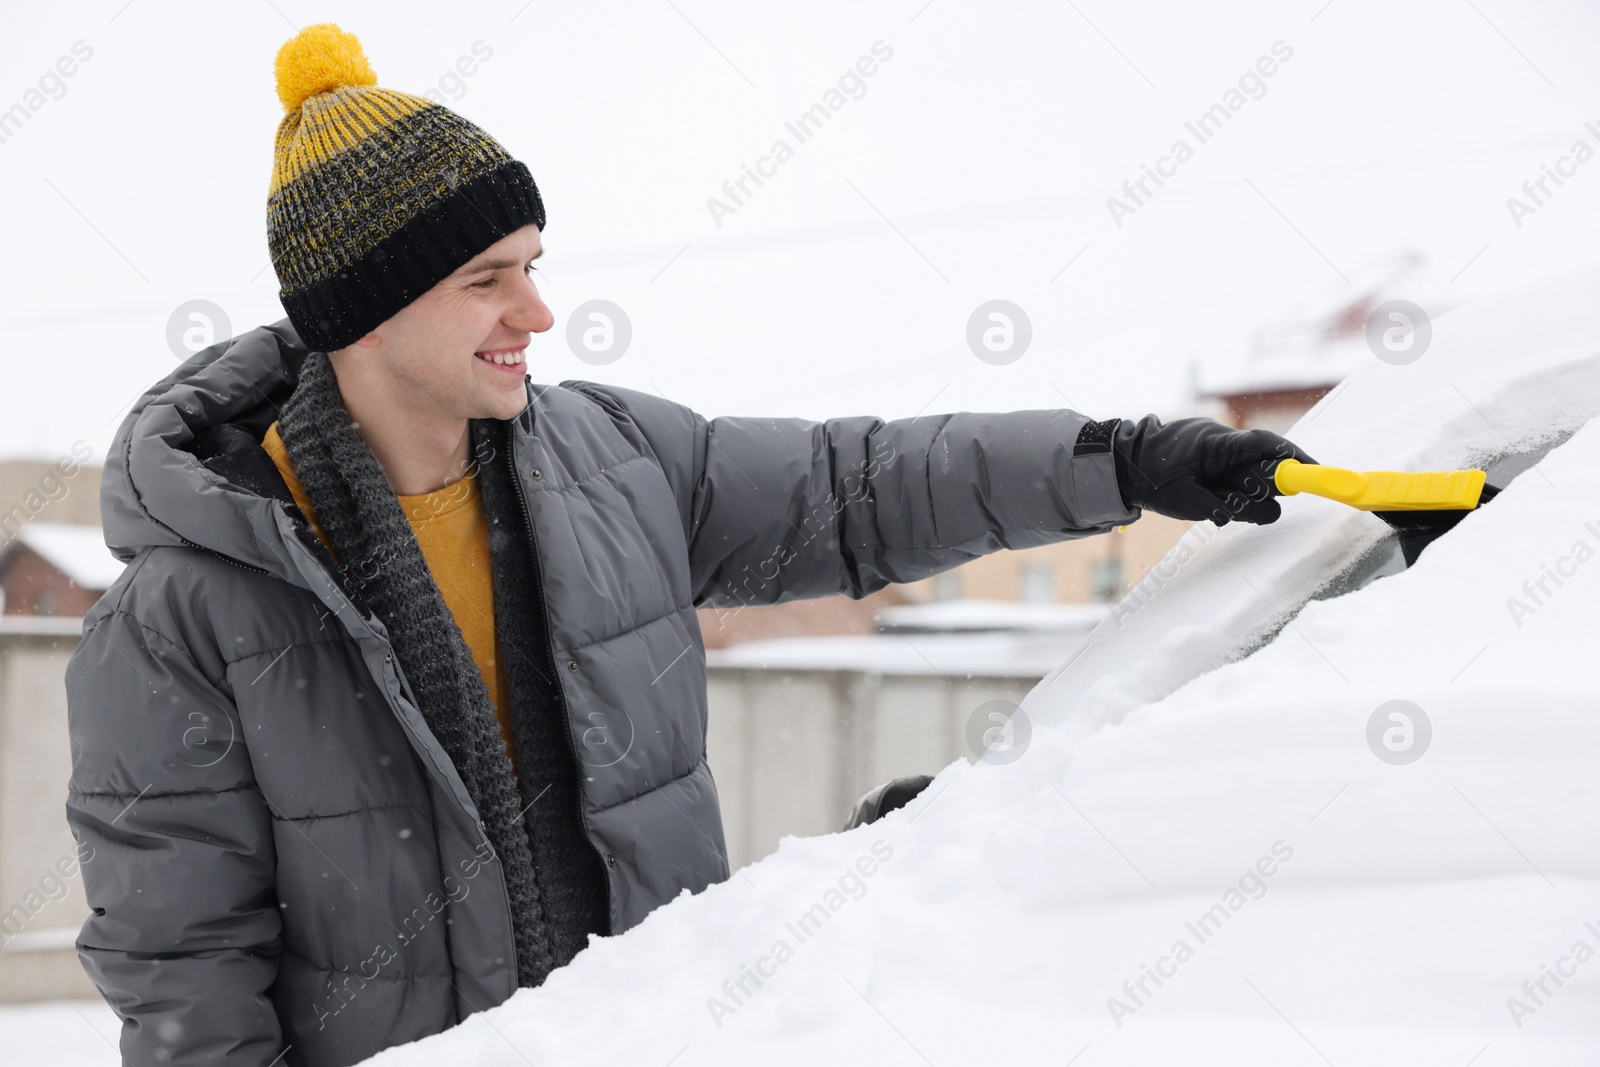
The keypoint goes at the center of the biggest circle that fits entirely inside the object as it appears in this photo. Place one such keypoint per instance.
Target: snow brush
(1419, 506)
(1383, 491)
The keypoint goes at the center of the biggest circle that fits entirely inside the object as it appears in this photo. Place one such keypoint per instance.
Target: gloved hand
(1194, 468)
(890, 796)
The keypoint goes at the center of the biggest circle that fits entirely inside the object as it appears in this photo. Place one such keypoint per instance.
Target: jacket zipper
(555, 680)
(225, 559)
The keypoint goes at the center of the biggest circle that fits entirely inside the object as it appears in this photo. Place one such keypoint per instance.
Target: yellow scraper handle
(1383, 490)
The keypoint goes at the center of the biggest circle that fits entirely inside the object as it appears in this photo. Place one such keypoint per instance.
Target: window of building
(1106, 579)
(1036, 582)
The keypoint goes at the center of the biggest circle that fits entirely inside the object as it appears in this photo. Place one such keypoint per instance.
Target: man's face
(438, 351)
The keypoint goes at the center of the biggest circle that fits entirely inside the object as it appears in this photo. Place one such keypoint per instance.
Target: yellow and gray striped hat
(376, 195)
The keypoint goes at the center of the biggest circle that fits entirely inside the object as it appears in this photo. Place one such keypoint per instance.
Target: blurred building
(54, 564)
(1299, 357)
(55, 568)
(1088, 570)
(722, 627)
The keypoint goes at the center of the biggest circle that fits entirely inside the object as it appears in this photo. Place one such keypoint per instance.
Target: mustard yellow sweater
(454, 536)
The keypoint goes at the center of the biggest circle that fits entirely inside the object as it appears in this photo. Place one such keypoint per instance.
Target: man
(401, 696)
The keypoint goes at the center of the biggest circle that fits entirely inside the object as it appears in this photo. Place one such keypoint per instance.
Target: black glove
(890, 796)
(1193, 468)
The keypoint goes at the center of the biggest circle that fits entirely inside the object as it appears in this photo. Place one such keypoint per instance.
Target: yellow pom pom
(319, 59)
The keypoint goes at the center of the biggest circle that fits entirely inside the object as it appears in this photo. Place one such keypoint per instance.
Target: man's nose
(531, 312)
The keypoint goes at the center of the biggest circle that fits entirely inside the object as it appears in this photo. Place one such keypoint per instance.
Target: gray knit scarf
(552, 874)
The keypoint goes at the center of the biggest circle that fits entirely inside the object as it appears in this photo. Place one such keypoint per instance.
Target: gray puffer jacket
(287, 868)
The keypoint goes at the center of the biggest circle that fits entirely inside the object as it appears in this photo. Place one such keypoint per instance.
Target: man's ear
(369, 343)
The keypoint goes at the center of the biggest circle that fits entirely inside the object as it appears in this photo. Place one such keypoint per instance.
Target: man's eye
(485, 284)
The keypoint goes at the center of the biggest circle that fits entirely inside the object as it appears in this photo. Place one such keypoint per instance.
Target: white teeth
(504, 358)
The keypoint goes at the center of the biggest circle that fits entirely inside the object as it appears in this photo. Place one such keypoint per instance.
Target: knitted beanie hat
(376, 195)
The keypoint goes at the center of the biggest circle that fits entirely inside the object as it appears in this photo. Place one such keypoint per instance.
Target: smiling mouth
(509, 358)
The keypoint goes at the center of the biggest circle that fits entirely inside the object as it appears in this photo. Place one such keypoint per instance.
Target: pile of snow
(1208, 854)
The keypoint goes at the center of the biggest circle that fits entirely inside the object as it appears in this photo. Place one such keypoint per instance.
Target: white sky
(976, 166)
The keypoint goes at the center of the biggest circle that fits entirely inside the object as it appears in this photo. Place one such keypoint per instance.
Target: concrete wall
(793, 750)
(42, 905)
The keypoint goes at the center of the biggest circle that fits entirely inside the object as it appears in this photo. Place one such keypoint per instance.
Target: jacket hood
(166, 479)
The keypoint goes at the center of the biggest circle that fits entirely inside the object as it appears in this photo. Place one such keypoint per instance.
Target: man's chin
(504, 405)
